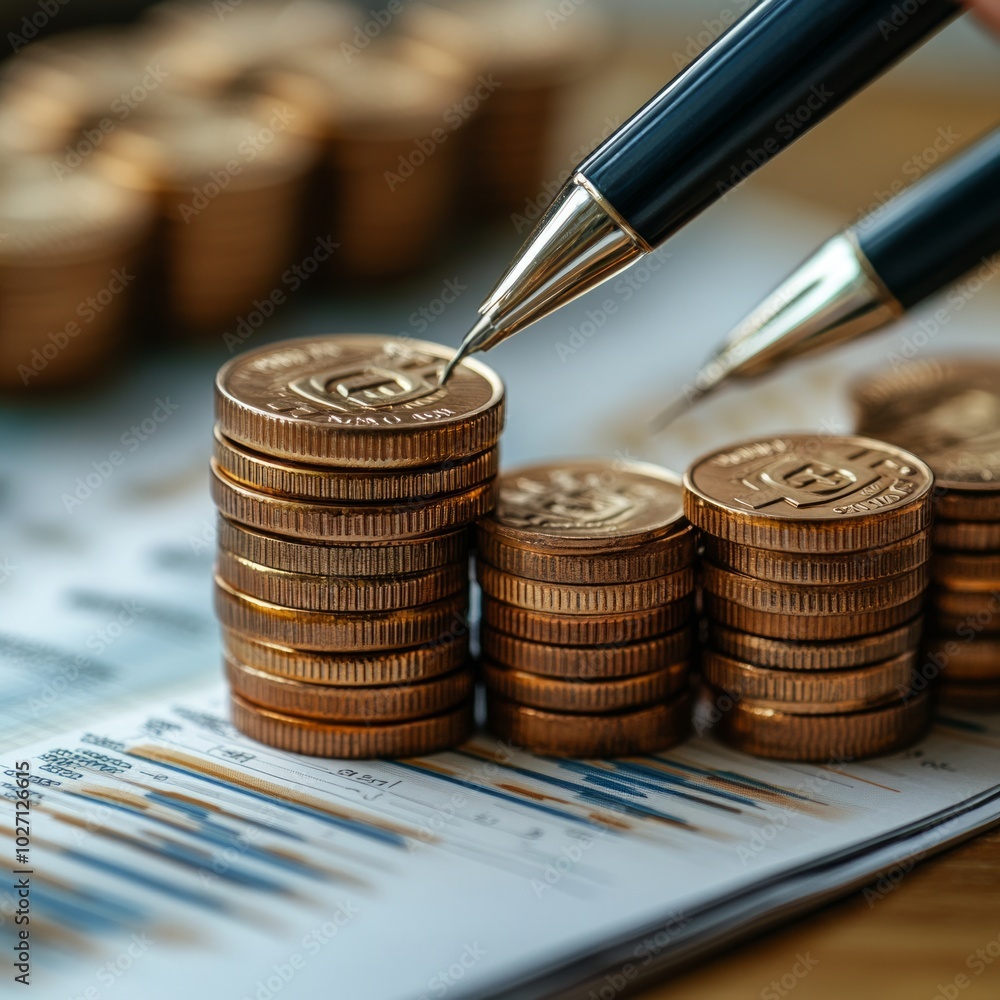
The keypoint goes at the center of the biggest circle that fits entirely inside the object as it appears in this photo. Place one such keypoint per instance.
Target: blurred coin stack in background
(813, 576)
(69, 255)
(586, 569)
(346, 480)
(947, 411)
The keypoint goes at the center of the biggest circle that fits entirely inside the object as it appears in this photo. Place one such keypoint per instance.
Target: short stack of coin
(947, 411)
(346, 479)
(814, 570)
(586, 568)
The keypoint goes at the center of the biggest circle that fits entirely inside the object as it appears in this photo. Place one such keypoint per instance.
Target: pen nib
(705, 385)
(476, 339)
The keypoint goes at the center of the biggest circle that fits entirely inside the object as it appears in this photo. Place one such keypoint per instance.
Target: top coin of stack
(346, 478)
(587, 575)
(814, 571)
(947, 411)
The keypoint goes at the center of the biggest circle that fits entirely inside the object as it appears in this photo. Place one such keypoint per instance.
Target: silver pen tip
(474, 340)
(692, 394)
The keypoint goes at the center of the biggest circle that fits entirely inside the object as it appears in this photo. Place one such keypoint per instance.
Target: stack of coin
(586, 569)
(814, 570)
(346, 479)
(947, 411)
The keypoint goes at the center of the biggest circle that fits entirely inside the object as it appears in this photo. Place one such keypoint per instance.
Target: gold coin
(586, 505)
(822, 690)
(349, 704)
(785, 655)
(320, 521)
(360, 401)
(809, 627)
(386, 558)
(975, 536)
(809, 493)
(587, 662)
(325, 632)
(768, 732)
(982, 605)
(796, 567)
(573, 599)
(629, 565)
(563, 695)
(975, 697)
(350, 669)
(971, 657)
(565, 734)
(586, 630)
(315, 482)
(966, 570)
(945, 410)
(810, 599)
(326, 593)
(325, 739)
(967, 505)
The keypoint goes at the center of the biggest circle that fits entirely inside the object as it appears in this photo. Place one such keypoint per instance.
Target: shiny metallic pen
(777, 72)
(920, 241)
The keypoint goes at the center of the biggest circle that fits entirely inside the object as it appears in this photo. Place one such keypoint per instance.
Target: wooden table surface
(934, 936)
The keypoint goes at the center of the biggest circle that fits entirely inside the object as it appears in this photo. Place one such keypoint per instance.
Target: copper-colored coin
(966, 570)
(809, 627)
(768, 732)
(967, 505)
(628, 565)
(975, 697)
(356, 521)
(349, 704)
(325, 632)
(784, 655)
(945, 410)
(586, 630)
(983, 605)
(563, 695)
(316, 482)
(796, 567)
(586, 505)
(809, 599)
(350, 669)
(574, 599)
(822, 690)
(974, 536)
(969, 657)
(564, 734)
(586, 662)
(359, 400)
(325, 739)
(331, 593)
(809, 493)
(388, 558)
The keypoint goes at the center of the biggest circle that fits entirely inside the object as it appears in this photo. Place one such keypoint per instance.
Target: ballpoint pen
(777, 72)
(865, 277)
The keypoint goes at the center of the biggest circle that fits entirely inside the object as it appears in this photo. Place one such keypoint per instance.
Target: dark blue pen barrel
(777, 72)
(940, 227)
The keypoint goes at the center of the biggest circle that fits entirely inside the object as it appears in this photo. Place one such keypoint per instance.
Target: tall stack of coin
(586, 569)
(814, 570)
(947, 411)
(346, 479)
